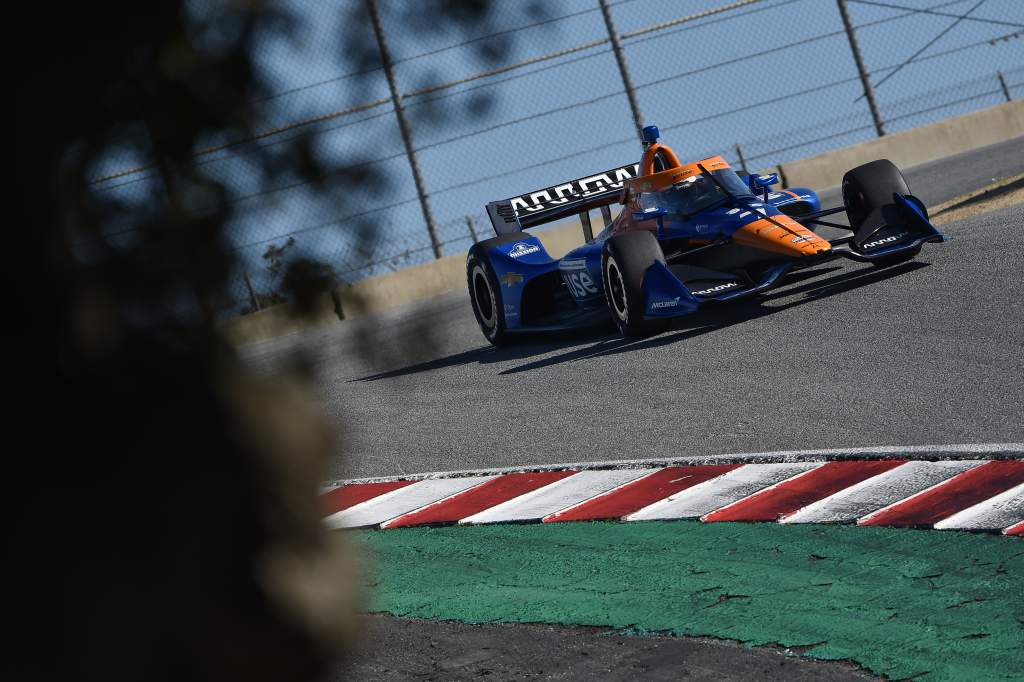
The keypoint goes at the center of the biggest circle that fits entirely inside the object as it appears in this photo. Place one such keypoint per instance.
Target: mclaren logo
(510, 279)
(887, 240)
(521, 249)
(674, 303)
(715, 290)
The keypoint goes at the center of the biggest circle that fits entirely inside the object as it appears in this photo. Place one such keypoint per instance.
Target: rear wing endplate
(560, 201)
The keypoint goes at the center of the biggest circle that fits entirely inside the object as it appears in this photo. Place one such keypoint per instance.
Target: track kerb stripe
(639, 494)
(474, 501)
(791, 496)
(956, 494)
(343, 497)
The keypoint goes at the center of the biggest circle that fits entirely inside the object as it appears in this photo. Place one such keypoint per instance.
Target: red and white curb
(979, 493)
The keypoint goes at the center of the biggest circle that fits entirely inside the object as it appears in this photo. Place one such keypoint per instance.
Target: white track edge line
(908, 452)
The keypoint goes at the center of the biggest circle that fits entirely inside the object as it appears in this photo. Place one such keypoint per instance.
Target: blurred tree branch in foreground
(167, 525)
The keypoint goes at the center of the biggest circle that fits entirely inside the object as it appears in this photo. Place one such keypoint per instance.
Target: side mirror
(656, 212)
(763, 181)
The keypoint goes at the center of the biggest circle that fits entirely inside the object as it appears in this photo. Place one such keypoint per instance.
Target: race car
(687, 236)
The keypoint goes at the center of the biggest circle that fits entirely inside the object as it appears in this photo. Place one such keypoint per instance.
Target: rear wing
(560, 201)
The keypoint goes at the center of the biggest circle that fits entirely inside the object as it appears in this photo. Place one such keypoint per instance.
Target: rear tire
(484, 290)
(624, 263)
(485, 295)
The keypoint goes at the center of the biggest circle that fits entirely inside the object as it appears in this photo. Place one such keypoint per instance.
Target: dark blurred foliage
(165, 525)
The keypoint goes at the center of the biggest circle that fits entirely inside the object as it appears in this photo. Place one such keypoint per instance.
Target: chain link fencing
(538, 98)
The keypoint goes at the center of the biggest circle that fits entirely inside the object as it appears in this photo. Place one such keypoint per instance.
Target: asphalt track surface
(847, 356)
(917, 354)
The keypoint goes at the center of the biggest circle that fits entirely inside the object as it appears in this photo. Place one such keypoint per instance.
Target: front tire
(869, 188)
(867, 196)
(624, 263)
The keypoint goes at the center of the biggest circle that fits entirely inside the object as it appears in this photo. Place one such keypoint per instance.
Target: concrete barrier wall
(908, 148)
(911, 147)
(375, 294)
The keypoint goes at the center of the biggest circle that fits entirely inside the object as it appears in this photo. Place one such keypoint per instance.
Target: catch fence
(535, 99)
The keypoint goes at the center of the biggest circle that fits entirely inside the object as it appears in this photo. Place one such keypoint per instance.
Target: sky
(775, 76)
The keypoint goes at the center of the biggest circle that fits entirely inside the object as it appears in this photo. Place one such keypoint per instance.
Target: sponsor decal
(510, 279)
(799, 239)
(573, 264)
(703, 227)
(716, 289)
(580, 283)
(674, 303)
(520, 249)
(609, 181)
(510, 310)
(887, 240)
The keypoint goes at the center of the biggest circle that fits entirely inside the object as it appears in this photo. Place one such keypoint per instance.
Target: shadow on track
(526, 347)
(710, 319)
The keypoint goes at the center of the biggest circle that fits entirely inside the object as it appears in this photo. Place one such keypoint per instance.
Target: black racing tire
(624, 263)
(869, 188)
(485, 296)
(485, 291)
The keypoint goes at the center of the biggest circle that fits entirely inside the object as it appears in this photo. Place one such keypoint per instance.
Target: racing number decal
(581, 284)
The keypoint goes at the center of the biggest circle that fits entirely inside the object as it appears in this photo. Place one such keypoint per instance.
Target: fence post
(471, 224)
(403, 125)
(865, 79)
(1006, 90)
(252, 293)
(620, 57)
(743, 161)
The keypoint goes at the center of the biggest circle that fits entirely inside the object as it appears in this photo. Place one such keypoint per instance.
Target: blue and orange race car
(687, 235)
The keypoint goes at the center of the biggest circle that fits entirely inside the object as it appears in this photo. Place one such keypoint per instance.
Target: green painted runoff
(899, 602)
